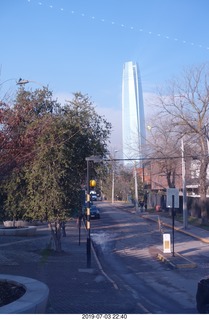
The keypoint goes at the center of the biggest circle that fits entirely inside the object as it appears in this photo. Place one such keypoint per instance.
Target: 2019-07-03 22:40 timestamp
(106, 316)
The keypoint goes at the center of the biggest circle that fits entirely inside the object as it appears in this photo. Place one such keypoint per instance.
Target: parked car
(94, 212)
(93, 197)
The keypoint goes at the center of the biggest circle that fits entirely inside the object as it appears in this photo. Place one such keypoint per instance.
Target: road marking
(102, 271)
(136, 297)
(143, 308)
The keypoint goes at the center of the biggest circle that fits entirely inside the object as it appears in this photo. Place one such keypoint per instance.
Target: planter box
(33, 301)
(18, 223)
(24, 231)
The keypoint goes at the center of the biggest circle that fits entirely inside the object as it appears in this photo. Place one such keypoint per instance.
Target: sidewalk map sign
(166, 243)
(172, 201)
(170, 193)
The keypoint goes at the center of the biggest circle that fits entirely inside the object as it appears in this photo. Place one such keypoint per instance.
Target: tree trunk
(63, 228)
(203, 190)
(56, 235)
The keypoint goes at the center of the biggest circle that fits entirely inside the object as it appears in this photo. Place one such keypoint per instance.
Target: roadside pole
(172, 201)
(173, 214)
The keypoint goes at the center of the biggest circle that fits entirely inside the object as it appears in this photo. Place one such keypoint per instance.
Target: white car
(93, 197)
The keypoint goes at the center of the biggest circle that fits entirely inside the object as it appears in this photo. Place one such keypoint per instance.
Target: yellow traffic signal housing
(92, 183)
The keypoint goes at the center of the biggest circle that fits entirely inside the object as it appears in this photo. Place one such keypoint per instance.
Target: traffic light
(92, 183)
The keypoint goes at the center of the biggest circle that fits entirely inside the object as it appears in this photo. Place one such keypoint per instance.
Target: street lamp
(12, 79)
(21, 82)
(88, 224)
(25, 81)
(113, 177)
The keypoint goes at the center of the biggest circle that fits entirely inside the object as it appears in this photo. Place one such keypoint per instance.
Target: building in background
(133, 120)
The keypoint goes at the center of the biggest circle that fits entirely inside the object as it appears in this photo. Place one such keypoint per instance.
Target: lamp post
(25, 81)
(12, 79)
(136, 188)
(113, 178)
(88, 217)
(22, 82)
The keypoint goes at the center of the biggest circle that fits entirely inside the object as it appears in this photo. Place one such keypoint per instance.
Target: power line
(152, 158)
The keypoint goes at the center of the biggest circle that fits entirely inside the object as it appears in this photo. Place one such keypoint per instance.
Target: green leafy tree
(15, 190)
(21, 126)
(52, 164)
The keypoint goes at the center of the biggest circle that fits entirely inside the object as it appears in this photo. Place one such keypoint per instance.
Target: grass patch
(46, 252)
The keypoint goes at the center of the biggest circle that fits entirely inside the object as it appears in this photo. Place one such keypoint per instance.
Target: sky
(81, 45)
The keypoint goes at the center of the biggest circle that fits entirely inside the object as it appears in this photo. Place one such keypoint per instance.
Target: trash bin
(158, 208)
(202, 296)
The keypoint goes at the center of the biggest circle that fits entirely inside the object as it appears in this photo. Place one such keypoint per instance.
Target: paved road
(127, 278)
(127, 245)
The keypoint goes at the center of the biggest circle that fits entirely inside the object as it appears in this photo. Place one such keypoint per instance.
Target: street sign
(170, 193)
(166, 243)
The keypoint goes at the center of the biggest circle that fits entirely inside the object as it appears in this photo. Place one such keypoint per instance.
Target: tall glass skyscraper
(133, 120)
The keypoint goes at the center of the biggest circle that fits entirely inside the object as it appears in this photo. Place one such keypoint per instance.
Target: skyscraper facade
(133, 120)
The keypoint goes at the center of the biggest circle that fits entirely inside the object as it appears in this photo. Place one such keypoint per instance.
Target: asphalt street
(130, 246)
(125, 276)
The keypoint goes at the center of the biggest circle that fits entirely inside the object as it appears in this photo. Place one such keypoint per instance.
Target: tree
(58, 143)
(20, 127)
(163, 146)
(186, 101)
(124, 183)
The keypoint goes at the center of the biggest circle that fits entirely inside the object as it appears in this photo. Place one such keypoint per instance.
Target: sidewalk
(73, 288)
(196, 232)
(179, 261)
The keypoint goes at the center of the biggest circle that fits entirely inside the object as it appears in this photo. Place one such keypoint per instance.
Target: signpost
(172, 201)
(166, 243)
(170, 192)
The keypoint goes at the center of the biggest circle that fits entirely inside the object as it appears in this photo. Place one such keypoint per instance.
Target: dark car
(94, 212)
(202, 296)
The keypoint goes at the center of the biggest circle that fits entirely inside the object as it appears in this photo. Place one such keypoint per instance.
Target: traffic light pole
(88, 227)
(88, 216)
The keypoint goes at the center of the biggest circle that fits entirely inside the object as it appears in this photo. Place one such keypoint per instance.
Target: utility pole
(136, 188)
(113, 177)
(185, 217)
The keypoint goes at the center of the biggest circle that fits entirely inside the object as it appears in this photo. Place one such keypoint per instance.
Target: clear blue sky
(81, 45)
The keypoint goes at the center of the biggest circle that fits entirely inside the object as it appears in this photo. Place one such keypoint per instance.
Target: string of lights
(121, 25)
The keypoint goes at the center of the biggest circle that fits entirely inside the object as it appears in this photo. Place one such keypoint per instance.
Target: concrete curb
(21, 232)
(184, 263)
(35, 299)
(192, 235)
